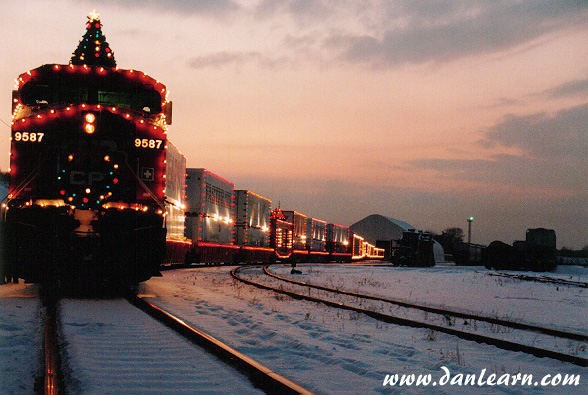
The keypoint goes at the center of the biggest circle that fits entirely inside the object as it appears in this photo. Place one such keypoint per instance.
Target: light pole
(470, 220)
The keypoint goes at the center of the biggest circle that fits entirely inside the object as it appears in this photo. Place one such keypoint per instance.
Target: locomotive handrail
(23, 185)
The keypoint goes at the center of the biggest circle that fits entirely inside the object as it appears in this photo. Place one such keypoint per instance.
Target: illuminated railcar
(339, 243)
(316, 240)
(177, 245)
(299, 234)
(281, 235)
(210, 217)
(361, 249)
(357, 247)
(252, 227)
(87, 167)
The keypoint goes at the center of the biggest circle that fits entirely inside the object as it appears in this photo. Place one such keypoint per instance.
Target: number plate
(149, 143)
(29, 137)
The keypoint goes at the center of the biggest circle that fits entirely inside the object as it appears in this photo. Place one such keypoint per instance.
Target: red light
(62, 192)
(115, 181)
(85, 200)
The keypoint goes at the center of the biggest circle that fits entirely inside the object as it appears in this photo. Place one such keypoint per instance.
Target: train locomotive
(98, 192)
(87, 169)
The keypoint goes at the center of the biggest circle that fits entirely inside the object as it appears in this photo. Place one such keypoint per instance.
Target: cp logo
(85, 178)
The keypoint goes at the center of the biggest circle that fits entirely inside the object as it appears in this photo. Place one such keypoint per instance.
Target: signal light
(89, 126)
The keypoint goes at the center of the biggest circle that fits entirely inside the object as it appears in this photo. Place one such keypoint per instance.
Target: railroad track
(541, 279)
(263, 377)
(499, 332)
(258, 376)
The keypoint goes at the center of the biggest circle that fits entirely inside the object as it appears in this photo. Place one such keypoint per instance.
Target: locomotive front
(87, 170)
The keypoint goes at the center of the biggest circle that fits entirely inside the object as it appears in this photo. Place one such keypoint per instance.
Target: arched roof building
(378, 227)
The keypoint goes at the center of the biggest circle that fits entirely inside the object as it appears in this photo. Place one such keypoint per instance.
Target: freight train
(224, 225)
(537, 252)
(97, 190)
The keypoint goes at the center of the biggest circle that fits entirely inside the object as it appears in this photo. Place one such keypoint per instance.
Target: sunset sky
(424, 111)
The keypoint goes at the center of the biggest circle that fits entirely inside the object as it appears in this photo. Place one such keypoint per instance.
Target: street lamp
(470, 220)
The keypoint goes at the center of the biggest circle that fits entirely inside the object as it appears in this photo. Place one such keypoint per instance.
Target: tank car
(537, 252)
(87, 169)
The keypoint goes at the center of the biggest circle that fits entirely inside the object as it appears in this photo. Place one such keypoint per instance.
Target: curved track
(444, 312)
(445, 319)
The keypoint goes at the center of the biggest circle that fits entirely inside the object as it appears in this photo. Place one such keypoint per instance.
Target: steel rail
(436, 310)
(52, 383)
(541, 279)
(260, 375)
(504, 344)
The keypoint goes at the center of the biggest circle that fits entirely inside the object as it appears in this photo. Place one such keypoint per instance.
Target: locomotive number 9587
(28, 136)
(148, 143)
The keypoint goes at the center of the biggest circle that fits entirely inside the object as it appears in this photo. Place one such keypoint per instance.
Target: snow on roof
(378, 227)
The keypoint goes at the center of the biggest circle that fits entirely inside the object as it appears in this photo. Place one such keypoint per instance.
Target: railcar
(210, 217)
(339, 242)
(537, 252)
(299, 235)
(281, 236)
(252, 227)
(87, 169)
(316, 240)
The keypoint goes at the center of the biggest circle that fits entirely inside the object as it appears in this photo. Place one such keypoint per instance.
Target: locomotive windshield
(142, 98)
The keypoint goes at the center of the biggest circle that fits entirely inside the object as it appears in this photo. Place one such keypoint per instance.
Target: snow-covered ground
(326, 350)
(337, 352)
(20, 338)
(111, 347)
(464, 289)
